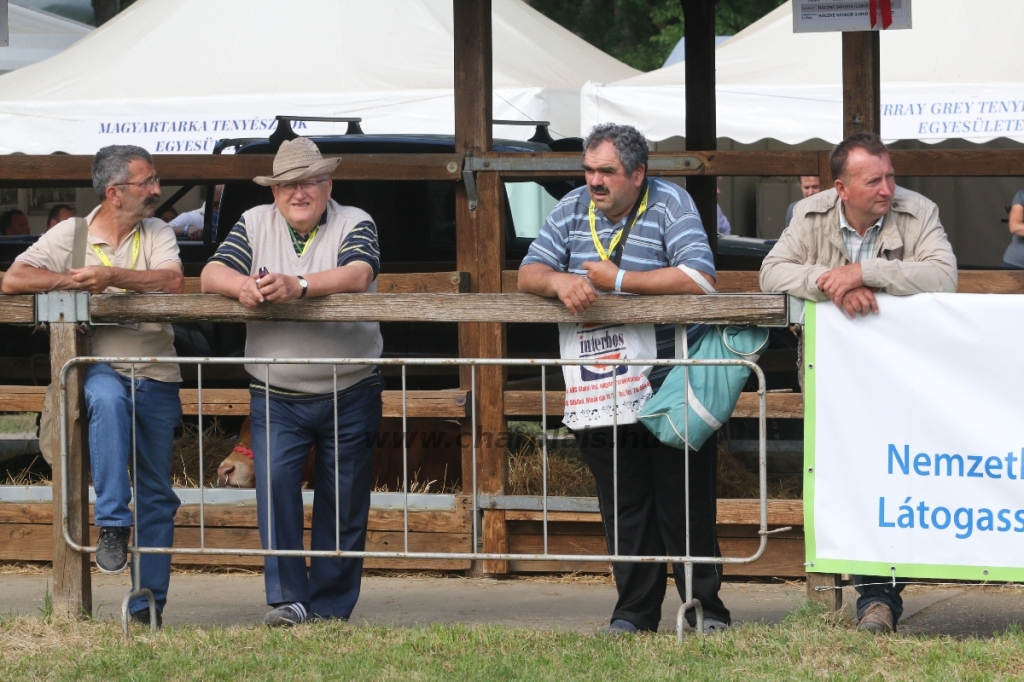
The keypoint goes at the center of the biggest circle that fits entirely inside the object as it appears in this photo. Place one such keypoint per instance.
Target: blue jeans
(108, 401)
(331, 586)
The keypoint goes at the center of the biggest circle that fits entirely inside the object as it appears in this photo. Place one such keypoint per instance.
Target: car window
(529, 204)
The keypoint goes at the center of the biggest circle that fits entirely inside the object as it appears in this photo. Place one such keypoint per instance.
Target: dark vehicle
(416, 228)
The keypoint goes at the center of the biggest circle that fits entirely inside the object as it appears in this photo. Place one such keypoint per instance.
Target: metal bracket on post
(469, 177)
(62, 306)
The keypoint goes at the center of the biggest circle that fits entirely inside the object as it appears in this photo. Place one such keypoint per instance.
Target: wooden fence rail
(19, 170)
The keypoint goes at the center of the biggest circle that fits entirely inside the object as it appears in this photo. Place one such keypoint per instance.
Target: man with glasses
(124, 249)
(306, 245)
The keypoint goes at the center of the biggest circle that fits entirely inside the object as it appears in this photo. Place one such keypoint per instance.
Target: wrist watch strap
(304, 285)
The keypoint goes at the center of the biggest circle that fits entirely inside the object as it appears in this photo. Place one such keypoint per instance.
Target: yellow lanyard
(605, 255)
(135, 252)
(309, 240)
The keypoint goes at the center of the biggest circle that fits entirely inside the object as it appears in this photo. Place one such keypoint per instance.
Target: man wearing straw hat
(306, 245)
(120, 247)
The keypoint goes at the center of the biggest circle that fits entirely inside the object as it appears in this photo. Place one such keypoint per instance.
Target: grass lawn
(809, 645)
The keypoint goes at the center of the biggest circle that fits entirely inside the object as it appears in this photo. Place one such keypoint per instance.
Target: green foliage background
(642, 33)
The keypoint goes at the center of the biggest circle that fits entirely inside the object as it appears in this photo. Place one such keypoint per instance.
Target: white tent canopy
(956, 74)
(35, 36)
(177, 75)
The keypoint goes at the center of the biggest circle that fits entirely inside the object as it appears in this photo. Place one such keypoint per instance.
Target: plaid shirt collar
(859, 248)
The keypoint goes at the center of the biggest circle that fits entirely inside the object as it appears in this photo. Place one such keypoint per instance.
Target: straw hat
(297, 159)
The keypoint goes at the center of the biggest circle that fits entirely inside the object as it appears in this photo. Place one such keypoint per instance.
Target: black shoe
(617, 628)
(142, 618)
(286, 615)
(112, 548)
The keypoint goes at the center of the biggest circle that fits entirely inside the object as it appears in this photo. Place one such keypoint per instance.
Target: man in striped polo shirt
(573, 259)
(305, 244)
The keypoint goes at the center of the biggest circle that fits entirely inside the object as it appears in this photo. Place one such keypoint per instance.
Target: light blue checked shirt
(859, 248)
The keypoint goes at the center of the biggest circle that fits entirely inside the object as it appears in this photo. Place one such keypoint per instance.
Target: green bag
(678, 413)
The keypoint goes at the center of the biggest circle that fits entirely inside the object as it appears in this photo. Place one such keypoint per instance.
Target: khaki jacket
(913, 256)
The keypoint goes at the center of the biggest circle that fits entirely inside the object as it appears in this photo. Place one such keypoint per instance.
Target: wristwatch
(304, 285)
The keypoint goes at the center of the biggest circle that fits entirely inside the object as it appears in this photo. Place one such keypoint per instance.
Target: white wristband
(618, 280)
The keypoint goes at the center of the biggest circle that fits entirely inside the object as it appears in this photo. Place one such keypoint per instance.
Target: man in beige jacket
(864, 235)
(847, 243)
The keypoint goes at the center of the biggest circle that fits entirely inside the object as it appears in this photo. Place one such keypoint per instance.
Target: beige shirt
(157, 245)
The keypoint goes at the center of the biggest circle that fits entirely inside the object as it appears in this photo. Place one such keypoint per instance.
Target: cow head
(237, 469)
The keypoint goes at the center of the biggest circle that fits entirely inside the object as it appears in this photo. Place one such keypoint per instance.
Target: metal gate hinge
(62, 306)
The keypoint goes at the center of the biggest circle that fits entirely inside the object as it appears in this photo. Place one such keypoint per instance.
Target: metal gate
(479, 502)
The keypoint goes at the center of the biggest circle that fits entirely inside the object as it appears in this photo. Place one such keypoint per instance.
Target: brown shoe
(877, 618)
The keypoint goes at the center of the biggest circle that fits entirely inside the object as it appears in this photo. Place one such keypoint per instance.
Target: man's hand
(860, 300)
(575, 292)
(602, 274)
(193, 232)
(93, 278)
(278, 288)
(250, 295)
(837, 282)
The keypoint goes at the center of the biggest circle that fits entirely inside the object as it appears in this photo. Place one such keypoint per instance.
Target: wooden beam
(730, 512)
(701, 130)
(958, 163)
(828, 595)
(72, 583)
(862, 101)
(442, 404)
(75, 170)
(19, 309)
(63, 170)
(764, 309)
(728, 282)
(779, 405)
(394, 283)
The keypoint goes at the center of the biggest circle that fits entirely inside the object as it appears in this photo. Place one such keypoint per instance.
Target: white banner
(914, 438)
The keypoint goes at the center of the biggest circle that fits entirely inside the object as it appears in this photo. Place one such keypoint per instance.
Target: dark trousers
(884, 593)
(331, 586)
(652, 519)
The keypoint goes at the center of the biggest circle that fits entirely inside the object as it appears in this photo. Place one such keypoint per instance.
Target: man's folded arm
(167, 278)
(785, 268)
(540, 279)
(932, 270)
(23, 278)
(218, 278)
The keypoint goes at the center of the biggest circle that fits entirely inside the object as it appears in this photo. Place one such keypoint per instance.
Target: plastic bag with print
(589, 399)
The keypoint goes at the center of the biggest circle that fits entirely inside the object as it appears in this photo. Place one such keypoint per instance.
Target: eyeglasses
(148, 182)
(307, 186)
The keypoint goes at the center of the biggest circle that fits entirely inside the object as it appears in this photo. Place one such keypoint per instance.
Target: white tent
(35, 36)
(958, 73)
(177, 75)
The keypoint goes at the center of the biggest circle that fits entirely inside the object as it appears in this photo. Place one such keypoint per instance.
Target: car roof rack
(284, 127)
(541, 135)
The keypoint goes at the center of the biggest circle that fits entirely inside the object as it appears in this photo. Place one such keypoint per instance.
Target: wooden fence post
(72, 585)
(862, 105)
(480, 244)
